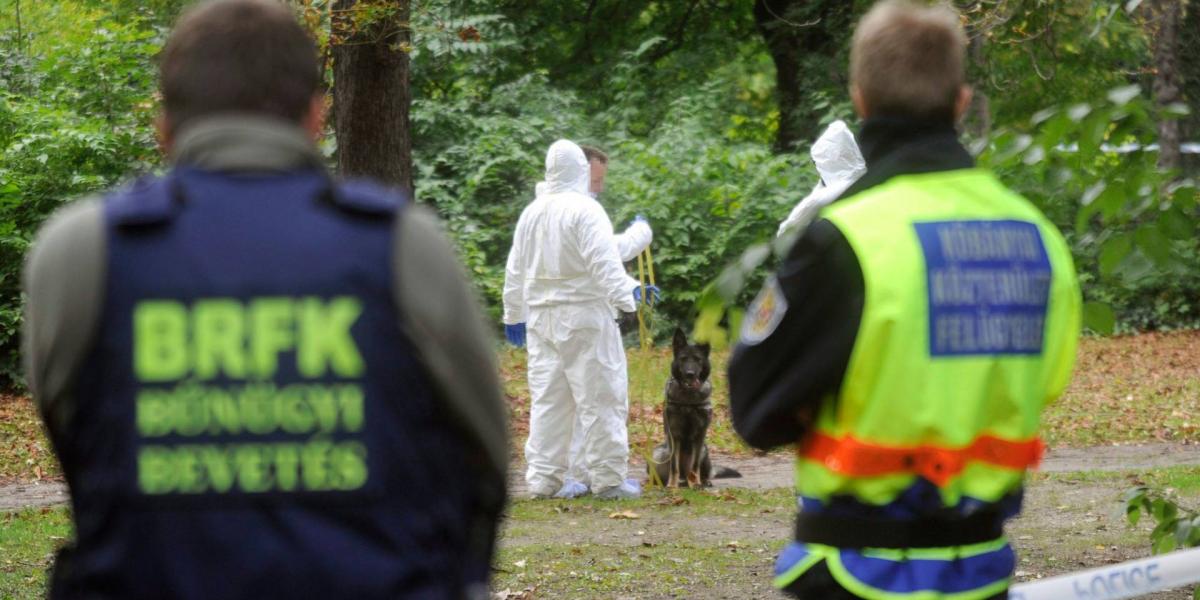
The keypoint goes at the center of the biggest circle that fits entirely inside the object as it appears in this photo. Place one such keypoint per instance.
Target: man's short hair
(248, 56)
(593, 153)
(907, 60)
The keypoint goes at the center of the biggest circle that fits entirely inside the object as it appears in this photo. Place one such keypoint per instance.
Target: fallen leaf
(625, 514)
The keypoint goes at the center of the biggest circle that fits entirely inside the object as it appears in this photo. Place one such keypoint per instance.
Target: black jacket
(776, 385)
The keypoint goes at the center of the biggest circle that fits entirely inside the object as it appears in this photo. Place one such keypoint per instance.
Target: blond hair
(908, 60)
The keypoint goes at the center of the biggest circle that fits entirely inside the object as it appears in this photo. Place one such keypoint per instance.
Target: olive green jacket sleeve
(64, 287)
(443, 319)
(445, 322)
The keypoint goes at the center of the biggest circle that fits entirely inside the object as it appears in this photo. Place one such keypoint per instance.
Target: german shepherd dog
(683, 458)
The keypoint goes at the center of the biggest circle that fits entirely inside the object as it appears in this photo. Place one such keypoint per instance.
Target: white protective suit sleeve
(633, 240)
(839, 162)
(594, 233)
(515, 309)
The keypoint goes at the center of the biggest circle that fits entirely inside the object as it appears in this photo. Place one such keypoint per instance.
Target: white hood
(839, 162)
(566, 169)
(837, 156)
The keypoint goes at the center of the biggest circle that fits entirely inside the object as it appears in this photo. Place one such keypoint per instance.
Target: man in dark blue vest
(262, 383)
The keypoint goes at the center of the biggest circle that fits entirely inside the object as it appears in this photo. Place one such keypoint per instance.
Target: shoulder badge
(766, 312)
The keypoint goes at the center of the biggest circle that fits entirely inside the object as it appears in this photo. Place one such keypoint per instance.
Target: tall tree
(1189, 68)
(1163, 19)
(369, 45)
(806, 40)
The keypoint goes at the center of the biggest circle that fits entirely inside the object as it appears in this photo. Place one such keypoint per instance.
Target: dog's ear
(706, 348)
(680, 340)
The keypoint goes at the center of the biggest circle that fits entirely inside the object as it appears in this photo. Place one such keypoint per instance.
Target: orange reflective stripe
(855, 458)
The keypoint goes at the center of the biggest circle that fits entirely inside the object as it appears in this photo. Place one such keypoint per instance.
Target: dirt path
(763, 472)
(31, 495)
(775, 470)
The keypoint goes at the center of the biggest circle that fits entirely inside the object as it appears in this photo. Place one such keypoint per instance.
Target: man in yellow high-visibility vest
(909, 342)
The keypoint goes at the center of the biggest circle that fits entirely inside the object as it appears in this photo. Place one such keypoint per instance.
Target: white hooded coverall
(563, 279)
(839, 162)
(630, 243)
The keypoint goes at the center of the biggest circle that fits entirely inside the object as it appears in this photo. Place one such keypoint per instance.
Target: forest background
(706, 108)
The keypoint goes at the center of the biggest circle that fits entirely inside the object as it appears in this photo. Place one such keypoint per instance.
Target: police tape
(1123, 580)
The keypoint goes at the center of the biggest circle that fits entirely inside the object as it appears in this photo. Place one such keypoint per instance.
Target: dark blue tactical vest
(253, 422)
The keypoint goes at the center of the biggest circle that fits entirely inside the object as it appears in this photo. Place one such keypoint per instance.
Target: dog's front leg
(687, 459)
(674, 479)
(693, 468)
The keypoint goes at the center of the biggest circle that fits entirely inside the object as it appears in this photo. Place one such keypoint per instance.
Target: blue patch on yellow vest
(988, 286)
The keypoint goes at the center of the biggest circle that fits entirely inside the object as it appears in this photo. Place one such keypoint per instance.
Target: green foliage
(1035, 55)
(1176, 526)
(683, 99)
(477, 160)
(1132, 228)
(76, 120)
(707, 197)
(697, 164)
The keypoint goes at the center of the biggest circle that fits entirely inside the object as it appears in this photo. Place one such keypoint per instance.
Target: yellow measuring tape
(646, 267)
(645, 263)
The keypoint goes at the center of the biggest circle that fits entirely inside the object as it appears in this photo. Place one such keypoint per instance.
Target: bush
(1132, 228)
(78, 123)
(707, 198)
(477, 160)
(707, 185)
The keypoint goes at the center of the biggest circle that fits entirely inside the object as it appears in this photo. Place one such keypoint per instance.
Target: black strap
(931, 532)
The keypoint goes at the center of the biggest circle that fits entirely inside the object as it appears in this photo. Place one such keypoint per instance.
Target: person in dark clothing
(261, 382)
(909, 342)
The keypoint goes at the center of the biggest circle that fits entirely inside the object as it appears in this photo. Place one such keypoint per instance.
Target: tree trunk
(1189, 70)
(371, 93)
(804, 38)
(1165, 18)
(978, 120)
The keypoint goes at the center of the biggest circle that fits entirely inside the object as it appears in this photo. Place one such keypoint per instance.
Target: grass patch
(591, 548)
(601, 571)
(1184, 479)
(28, 540)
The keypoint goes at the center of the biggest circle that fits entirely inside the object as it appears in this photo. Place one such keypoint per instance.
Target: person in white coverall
(563, 280)
(630, 243)
(839, 162)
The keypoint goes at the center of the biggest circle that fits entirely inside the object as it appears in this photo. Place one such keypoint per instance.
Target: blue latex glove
(515, 334)
(640, 219)
(653, 294)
